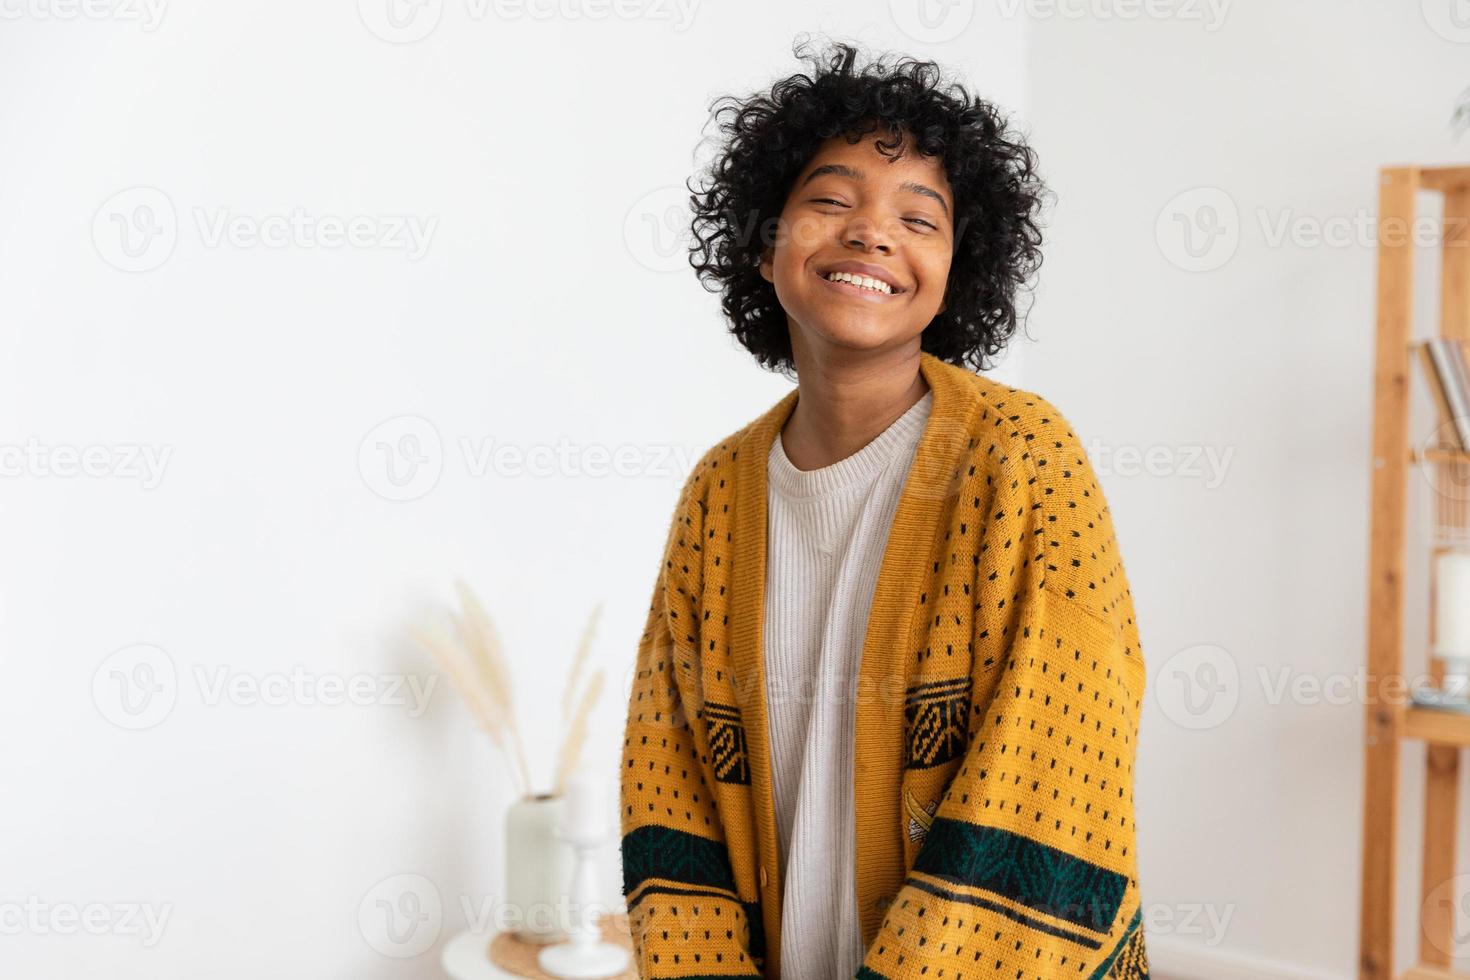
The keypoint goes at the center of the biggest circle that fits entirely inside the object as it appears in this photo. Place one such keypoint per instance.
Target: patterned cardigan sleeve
(684, 912)
(1029, 867)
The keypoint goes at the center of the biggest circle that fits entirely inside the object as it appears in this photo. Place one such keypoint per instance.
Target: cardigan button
(763, 876)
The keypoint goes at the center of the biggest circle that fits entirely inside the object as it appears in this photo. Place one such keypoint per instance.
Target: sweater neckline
(856, 469)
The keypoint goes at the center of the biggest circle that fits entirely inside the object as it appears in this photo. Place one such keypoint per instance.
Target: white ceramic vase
(538, 869)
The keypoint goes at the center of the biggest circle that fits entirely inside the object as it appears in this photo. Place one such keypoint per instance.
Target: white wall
(1283, 112)
(538, 158)
(551, 311)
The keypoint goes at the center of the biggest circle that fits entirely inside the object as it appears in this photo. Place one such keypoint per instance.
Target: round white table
(464, 958)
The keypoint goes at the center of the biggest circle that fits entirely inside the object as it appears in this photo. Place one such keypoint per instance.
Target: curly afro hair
(769, 138)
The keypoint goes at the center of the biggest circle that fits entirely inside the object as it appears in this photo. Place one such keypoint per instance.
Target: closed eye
(828, 200)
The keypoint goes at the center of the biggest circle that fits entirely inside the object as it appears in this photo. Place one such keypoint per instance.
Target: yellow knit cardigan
(996, 716)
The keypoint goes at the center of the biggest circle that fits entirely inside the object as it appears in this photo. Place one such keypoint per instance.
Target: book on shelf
(1447, 369)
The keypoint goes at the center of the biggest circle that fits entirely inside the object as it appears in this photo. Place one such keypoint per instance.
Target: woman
(886, 705)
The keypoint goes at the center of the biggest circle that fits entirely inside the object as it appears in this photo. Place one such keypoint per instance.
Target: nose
(862, 232)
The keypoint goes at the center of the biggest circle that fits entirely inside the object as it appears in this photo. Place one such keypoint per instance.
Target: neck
(843, 402)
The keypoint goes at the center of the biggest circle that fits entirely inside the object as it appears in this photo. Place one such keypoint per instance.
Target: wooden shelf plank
(1386, 555)
(1437, 727)
(1436, 454)
(1423, 972)
(1444, 178)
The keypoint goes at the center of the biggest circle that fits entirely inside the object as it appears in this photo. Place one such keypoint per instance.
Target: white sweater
(827, 529)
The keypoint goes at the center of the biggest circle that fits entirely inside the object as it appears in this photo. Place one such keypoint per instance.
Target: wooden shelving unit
(1389, 716)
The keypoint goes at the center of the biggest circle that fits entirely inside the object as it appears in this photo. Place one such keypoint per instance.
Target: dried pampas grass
(571, 747)
(475, 661)
(582, 647)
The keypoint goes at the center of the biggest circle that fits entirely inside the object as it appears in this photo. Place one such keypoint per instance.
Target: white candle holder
(1456, 681)
(585, 956)
(1451, 586)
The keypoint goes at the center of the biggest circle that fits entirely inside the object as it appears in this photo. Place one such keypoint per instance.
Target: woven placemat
(514, 955)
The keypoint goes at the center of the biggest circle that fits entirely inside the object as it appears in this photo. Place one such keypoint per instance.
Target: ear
(768, 264)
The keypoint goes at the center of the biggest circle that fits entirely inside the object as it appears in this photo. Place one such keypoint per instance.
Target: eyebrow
(853, 173)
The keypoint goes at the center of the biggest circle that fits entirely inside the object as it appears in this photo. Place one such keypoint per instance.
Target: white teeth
(867, 282)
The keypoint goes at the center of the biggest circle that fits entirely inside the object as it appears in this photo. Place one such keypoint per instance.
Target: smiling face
(872, 221)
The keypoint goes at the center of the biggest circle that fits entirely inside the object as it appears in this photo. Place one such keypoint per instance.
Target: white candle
(584, 809)
(1452, 616)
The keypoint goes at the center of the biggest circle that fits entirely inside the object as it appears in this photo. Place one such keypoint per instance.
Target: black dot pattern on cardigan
(1023, 687)
(1028, 602)
(687, 914)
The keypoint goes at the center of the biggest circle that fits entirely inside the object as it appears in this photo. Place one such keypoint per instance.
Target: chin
(859, 334)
